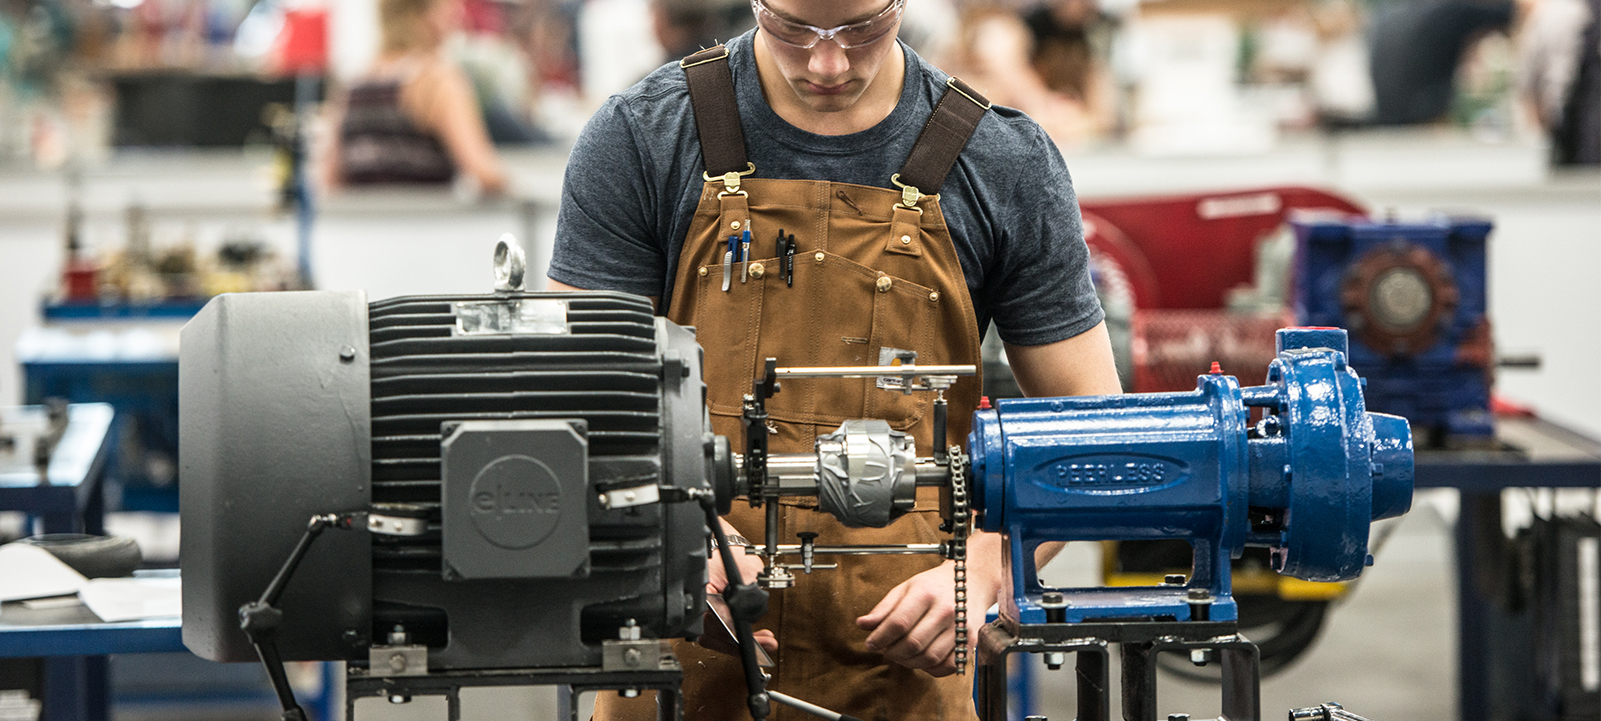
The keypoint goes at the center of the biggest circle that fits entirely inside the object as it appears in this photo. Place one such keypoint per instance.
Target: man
(1416, 48)
(801, 134)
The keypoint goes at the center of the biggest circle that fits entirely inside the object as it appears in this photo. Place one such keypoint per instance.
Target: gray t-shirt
(634, 179)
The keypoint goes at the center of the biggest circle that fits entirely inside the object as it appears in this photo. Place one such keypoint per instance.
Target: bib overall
(873, 273)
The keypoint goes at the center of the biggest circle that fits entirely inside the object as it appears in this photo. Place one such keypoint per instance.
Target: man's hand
(914, 625)
(717, 580)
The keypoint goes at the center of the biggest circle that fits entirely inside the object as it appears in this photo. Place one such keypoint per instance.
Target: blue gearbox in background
(1413, 297)
(1306, 480)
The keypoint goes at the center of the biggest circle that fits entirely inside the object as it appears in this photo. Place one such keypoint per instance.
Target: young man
(822, 123)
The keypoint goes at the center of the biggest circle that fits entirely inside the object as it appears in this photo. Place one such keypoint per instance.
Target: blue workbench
(1493, 674)
(125, 354)
(67, 496)
(75, 631)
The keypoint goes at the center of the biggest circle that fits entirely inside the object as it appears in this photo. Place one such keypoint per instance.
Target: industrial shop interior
(862, 360)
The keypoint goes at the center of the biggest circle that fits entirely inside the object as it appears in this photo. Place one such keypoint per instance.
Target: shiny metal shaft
(902, 371)
(887, 550)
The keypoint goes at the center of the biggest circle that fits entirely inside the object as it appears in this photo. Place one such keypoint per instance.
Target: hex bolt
(1055, 605)
(398, 636)
(1173, 579)
(1200, 656)
(628, 693)
(1054, 660)
(629, 630)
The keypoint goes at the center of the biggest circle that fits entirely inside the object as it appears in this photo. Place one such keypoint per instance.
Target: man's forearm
(985, 551)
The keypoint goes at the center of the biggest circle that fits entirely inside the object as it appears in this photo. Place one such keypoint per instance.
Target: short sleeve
(605, 235)
(1040, 290)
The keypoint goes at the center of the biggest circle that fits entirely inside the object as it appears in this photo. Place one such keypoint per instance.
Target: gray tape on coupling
(860, 477)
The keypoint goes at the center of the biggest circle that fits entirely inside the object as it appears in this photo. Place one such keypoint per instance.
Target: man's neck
(875, 104)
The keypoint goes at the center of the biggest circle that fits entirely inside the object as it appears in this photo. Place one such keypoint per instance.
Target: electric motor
(516, 443)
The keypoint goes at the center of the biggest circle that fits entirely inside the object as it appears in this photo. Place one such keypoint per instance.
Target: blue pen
(744, 255)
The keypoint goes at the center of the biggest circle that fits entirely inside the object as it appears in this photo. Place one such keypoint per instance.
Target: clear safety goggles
(801, 35)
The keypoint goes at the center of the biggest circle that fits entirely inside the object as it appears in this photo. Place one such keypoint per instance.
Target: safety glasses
(801, 35)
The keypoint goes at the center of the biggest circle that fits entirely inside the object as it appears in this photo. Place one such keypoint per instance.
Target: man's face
(827, 77)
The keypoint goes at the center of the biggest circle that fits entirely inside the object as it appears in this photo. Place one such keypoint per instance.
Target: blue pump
(1306, 480)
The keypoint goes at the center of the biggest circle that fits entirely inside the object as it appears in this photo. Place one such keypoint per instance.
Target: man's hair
(401, 23)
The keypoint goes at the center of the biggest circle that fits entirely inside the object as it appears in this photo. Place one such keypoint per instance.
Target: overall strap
(942, 139)
(711, 94)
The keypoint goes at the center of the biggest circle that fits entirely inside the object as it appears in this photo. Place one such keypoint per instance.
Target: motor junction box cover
(515, 499)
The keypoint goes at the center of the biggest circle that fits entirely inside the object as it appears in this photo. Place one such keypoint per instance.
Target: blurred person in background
(686, 26)
(1416, 50)
(1559, 75)
(544, 31)
(1340, 79)
(1071, 39)
(413, 117)
(1043, 66)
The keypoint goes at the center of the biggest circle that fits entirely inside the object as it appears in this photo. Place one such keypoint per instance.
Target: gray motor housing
(274, 427)
(501, 419)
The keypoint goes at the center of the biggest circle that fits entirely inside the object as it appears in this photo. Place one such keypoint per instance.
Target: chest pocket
(837, 313)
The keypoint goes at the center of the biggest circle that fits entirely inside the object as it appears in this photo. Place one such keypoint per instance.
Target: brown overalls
(869, 274)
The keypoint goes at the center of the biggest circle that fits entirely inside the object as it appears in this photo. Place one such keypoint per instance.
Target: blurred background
(154, 153)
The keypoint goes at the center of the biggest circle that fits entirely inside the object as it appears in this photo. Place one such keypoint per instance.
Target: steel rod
(902, 549)
(902, 371)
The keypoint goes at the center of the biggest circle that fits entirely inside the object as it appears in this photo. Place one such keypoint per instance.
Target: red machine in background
(1187, 280)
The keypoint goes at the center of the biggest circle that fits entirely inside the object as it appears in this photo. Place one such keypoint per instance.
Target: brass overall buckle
(731, 180)
(910, 195)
